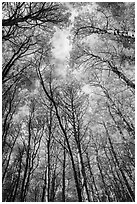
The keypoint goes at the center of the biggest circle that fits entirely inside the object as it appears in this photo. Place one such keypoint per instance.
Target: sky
(61, 51)
(62, 45)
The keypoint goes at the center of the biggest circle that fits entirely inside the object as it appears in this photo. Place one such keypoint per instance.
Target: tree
(68, 138)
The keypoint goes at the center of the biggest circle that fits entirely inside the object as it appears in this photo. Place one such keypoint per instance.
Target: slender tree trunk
(63, 173)
(102, 176)
(131, 193)
(7, 164)
(83, 174)
(22, 195)
(44, 187)
(93, 180)
(52, 190)
(47, 185)
(72, 160)
(80, 158)
(79, 193)
(17, 182)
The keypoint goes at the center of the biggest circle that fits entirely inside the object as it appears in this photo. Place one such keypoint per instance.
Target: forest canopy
(68, 102)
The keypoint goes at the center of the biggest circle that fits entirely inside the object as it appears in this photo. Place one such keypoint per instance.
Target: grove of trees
(68, 138)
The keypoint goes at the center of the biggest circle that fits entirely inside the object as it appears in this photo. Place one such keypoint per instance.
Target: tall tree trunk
(63, 173)
(80, 158)
(22, 194)
(17, 182)
(101, 173)
(79, 193)
(93, 180)
(85, 184)
(52, 190)
(131, 193)
(44, 187)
